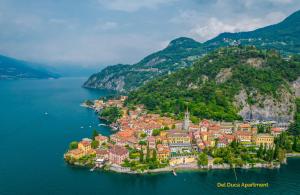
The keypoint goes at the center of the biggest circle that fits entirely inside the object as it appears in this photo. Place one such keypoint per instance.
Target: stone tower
(186, 122)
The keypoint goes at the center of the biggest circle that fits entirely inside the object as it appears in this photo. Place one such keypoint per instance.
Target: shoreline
(194, 168)
(190, 167)
(179, 168)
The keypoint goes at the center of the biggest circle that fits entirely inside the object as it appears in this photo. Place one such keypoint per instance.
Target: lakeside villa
(146, 141)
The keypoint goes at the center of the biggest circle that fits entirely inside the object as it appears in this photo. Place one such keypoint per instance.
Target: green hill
(181, 52)
(226, 84)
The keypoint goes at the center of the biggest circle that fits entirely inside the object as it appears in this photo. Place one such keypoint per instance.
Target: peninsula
(146, 142)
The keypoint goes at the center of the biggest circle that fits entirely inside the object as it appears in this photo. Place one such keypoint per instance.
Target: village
(147, 142)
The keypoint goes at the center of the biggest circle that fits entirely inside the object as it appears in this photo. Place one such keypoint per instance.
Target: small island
(146, 142)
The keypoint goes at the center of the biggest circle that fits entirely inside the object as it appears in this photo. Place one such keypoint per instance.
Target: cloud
(204, 28)
(132, 5)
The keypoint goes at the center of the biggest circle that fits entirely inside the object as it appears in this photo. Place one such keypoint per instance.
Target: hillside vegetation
(210, 86)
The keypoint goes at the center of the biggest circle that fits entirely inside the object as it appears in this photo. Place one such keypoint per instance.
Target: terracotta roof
(243, 133)
(75, 152)
(101, 152)
(100, 138)
(276, 129)
(245, 125)
(85, 143)
(118, 150)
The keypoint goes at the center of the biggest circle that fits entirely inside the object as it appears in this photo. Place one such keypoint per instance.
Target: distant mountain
(11, 68)
(284, 37)
(182, 52)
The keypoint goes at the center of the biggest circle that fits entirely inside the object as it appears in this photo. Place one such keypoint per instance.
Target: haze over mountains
(182, 52)
(11, 68)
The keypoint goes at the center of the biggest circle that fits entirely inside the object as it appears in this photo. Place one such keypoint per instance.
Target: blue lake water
(32, 146)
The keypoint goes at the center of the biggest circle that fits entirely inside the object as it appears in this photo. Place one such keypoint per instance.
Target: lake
(32, 146)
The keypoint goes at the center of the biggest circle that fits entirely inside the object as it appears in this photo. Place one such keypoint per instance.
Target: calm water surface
(32, 146)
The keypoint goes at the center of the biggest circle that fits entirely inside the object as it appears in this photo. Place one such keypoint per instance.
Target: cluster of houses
(177, 141)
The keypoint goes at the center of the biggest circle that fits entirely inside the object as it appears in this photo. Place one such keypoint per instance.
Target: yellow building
(179, 137)
(85, 146)
(163, 152)
(265, 139)
(182, 160)
(163, 133)
(76, 154)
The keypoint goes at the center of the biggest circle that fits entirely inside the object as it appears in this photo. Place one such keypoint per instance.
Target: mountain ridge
(11, 68)
(283, 36)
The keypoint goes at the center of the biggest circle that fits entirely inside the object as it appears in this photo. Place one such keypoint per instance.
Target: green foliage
(95, 144)
(155, 132)
(294, 129)
(202, 159)
(95, 134)
(111, 114)
(143, 143)
(73, 145)
(89, 102)
(196, 87)
(143, 135)
(141, 156)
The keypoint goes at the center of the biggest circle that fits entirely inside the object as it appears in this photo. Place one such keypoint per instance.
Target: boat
(90, 126)
(102, 124)
(46, 113)
(174, 173)
(81, 127)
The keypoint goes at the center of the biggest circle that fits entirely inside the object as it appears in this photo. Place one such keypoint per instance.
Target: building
(243, 136)
(204, 124)
(186, 122)
(151, 142)
(226, 127)
(101, 139)
(76, 153)
(264, 139)
(245, 127)
(85, 146)
(117, 154)
(163, 152)
(276, 131)
(221, 143)
(102, 154)
(178, 137)
(181, 160)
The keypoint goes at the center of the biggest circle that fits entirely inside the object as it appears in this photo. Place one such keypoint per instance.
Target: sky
(93, 33)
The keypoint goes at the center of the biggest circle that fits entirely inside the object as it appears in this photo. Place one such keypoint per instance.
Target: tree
(141, 156)
(95, 144)
(276, 152)
(111, 114)
(294, 143)
(143, 143)
(202, 159)
(281, 155)
(154, 156)
(148, 154)
(260, 151)
(143, 135)
(73, 145)
(155, 132)
(95, 133)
